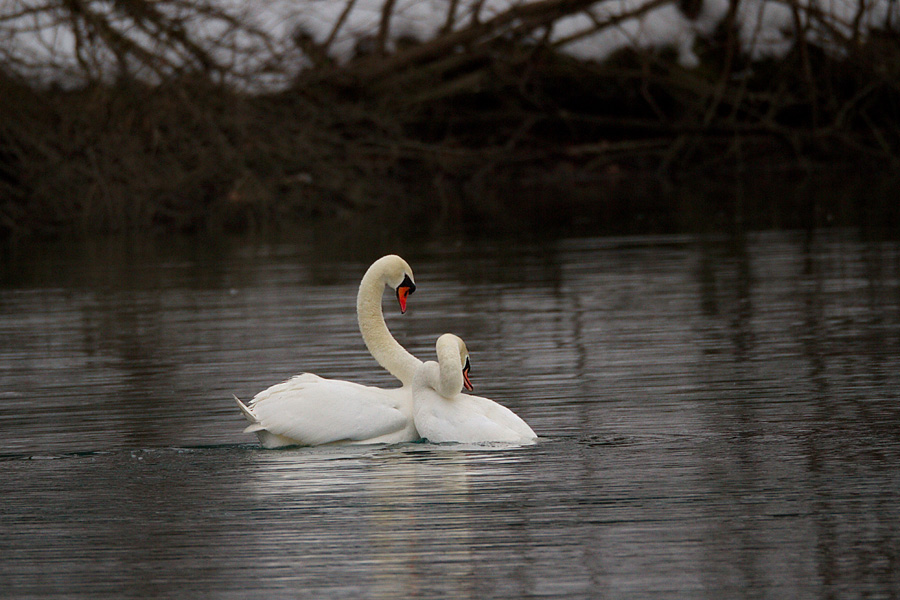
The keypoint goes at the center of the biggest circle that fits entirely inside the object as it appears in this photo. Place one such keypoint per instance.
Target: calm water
(720, 419)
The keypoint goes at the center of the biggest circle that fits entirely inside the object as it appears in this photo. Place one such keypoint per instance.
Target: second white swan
(443, 414)
(309, 410)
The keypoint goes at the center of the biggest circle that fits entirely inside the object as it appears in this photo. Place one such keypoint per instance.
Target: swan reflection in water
(413, 513)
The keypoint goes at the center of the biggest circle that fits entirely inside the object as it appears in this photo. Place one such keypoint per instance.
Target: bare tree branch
(326, 45)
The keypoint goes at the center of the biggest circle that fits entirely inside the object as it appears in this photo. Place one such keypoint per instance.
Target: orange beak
(402, 294)
(466, 383)
(405, 288)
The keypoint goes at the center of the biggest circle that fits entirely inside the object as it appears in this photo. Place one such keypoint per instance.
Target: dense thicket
(480, 127)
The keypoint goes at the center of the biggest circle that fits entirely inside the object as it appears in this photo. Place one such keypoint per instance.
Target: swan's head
(397, 274)
(447, 346)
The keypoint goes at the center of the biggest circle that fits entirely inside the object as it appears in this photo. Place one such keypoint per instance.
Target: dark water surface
(720, 419)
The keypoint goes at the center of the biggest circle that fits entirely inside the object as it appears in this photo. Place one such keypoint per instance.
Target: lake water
(719, 419)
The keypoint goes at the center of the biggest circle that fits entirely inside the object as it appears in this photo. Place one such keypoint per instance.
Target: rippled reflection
(719, 419)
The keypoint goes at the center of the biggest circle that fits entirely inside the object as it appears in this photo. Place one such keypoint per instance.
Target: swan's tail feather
(255, 425)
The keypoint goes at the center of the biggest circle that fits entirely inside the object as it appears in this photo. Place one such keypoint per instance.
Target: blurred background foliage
(155, 123)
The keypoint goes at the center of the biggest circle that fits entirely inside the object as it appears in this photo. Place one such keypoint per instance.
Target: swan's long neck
(381, 344)
(450, 380)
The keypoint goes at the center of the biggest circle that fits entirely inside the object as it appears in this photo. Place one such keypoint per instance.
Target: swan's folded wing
(312, 410)
(464, 428)
(468, 419)
(502, 417)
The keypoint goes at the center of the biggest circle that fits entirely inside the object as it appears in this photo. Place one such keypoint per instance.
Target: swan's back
(467, 419)
(310, 410)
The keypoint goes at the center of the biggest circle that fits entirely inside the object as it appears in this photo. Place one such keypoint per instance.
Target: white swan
(309, 410)
(443, 414)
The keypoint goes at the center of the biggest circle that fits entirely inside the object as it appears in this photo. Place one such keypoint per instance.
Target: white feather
(309, 410)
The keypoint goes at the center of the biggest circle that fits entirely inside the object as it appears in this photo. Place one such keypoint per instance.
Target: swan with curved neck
(308, 410)
(443, 414)
(391, 271)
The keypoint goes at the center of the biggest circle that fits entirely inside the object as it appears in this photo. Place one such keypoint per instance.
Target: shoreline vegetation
(481, 128)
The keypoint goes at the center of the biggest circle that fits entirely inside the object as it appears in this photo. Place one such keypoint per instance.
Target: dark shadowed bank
(500, 136)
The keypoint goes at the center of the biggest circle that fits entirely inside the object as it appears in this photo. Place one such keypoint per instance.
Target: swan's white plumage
(443, 414)
(388, 271)
(309, 410)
